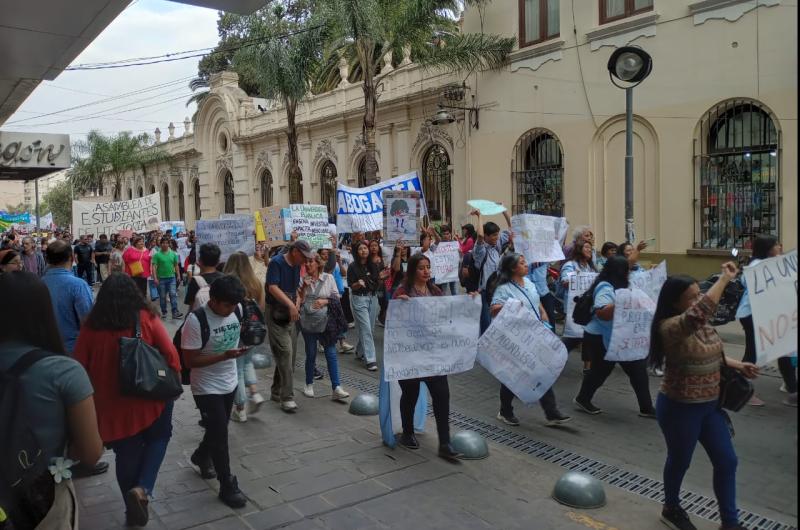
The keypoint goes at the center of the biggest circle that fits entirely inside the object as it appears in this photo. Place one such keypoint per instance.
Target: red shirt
(121, 416)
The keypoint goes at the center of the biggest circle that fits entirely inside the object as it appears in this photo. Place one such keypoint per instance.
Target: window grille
(537, 173)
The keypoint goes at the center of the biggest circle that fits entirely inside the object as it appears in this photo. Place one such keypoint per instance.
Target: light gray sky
(146, 28)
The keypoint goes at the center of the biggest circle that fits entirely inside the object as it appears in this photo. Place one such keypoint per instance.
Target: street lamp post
(631, 65)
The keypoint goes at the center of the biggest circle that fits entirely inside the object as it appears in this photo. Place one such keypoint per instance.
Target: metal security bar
(537, 173)
(736, 176)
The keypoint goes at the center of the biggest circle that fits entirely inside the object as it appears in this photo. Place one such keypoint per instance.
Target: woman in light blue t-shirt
(513, 284)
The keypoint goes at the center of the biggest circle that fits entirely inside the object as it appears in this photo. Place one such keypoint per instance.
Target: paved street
(324, 468)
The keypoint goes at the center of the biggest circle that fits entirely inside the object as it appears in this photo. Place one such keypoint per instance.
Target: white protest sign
(562, 227)
(535, 238)
(650, 281)
(310, 221)
(432, 335)
(772, 288)
(630, 335)
(139, 215)
(444, 265)
(176, 227)
(578, 284)
(231, 235)
(183, 248)
(521, 352)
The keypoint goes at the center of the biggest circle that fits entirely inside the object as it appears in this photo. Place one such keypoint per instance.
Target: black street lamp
(631, 65)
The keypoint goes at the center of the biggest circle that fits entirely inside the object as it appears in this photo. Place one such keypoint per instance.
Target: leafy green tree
(364, 31)
(101, 160)
(59, 202)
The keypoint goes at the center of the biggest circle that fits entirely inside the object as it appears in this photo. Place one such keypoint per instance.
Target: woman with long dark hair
(418, 282)
(687, 409)
(764, 246)
(363, 277)
(596, 337)
(137, 262)
(58, 396)
(138, 430)
(513, 284)
(580, 260)
(467, 239)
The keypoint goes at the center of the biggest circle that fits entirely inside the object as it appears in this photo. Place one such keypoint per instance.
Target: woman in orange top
(138, 430)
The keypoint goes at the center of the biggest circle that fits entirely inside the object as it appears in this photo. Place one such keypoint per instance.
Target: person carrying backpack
(198, 288)
(486, 255)
(46, 404)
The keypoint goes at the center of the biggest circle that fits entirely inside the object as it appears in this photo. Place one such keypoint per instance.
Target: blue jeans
(247, 377)
(449, 286)
(311, 358)
(486, 317)
(153, 290)
(168, 285)
(683, 425)
(365, 312)
(139, 457)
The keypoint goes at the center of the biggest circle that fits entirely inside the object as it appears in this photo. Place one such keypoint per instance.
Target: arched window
(296, 190)
(181, 205)
(266, 188)
(327, 180)
(152, 189)
(165, 202)
(436, 180)
(196, 193)
(141, 191)
(130, 194)
(737, 185)
(228, 196)
(538, 174)
(362, 173)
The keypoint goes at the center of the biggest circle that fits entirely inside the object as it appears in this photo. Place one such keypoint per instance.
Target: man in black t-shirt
(102, 253)
(84, 259)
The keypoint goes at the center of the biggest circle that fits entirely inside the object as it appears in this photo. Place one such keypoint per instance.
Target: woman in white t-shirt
(317, 290)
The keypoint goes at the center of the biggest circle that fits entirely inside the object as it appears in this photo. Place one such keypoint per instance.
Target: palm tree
(199, 88)
(366, 30)
(100, 158)
(282, 67)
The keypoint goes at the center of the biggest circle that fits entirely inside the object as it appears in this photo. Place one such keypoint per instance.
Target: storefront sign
(34, 150)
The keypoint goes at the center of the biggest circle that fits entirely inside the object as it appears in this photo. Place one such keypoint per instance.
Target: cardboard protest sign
(650, 281)
(578, 284)
(521, 352)
(630, 335)
(429, 336)
(310, 221)
(445, 261)
(142, 214)
(772, 288)
(273, 225)
(172, 227)
(401, 216)
(231, 235)
(361, 209)
(535, 238)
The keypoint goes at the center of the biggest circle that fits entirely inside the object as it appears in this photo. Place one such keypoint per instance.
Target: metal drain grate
(652, 489)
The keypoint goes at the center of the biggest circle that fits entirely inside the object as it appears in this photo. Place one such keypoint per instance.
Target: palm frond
(466, 52)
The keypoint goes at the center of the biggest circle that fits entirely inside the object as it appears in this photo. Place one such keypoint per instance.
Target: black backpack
(253, 330)
(583, 310)
(22, 471)
(205, 334)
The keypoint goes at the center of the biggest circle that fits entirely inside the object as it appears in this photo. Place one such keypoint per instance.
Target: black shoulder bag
(143, 371)
(735, 390)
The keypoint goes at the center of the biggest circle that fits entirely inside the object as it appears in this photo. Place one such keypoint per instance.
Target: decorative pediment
(325, 151)
(264, 161)
(429, 133)
(285, 162)
(225, 162)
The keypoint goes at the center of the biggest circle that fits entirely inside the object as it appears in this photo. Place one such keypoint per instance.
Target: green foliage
(59, 201)
(14, 209)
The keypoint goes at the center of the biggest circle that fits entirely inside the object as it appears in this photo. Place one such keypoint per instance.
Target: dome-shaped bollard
(364, 405)
(261, 361)
(470, 444)
(579, 490)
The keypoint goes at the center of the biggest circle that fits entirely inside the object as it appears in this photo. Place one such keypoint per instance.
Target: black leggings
(141, 283)
(547, 401)
(788, 372)
(215, 409)
(601, 369)
(440, 395)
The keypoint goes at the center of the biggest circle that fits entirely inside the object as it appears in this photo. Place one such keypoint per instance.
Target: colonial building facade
(715, 129)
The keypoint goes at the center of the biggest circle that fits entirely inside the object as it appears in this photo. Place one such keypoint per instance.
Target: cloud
(145, 28)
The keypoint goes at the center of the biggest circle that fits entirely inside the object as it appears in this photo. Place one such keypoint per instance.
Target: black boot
(447, 452)
(229, 492)
(205, 465)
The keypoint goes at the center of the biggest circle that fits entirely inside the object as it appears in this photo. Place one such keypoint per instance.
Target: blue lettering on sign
(370, 203)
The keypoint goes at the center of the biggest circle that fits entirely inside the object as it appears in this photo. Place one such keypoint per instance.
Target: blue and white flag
(389, 410)
(361, 209)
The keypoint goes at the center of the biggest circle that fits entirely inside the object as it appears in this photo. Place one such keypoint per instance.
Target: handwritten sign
(521, 352)
(650, 281)
(445, 261)
(562, 227)
(430, 336)
(401, 217)
(361, 209)
(231, 235)
(310, 221)
(142, 214)
(273, 225)
(630, 335)
(578, 284)
(535, 238)
(173, 227)
(772, 288)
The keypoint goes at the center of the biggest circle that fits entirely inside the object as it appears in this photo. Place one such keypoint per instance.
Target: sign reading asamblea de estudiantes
(140, 215)
(34, 150)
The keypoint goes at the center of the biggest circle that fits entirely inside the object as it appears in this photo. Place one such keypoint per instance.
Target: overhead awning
(26, 156)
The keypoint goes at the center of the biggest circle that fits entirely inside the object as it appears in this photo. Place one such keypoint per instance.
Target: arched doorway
(228, 198)
(436, 177)
(152, 189)
(141, 191)
(296, 190)
(181, 205)
(130, 194)
(537, 174)
(196, 194)
(165, 202)
(362, 173)
(327, 180)
(266, 188)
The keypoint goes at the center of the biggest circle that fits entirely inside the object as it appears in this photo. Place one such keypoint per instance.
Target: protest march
(423, 302)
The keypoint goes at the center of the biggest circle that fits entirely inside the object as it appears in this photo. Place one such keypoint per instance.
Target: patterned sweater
(692, 354)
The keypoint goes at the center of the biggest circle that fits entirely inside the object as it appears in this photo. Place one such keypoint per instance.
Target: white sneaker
(783, 388)
(308, 391)
(351, 325)
(289, 406)
(657, 372)
(255, 403)
(345, 347)
(239, 415)
(339, 393)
